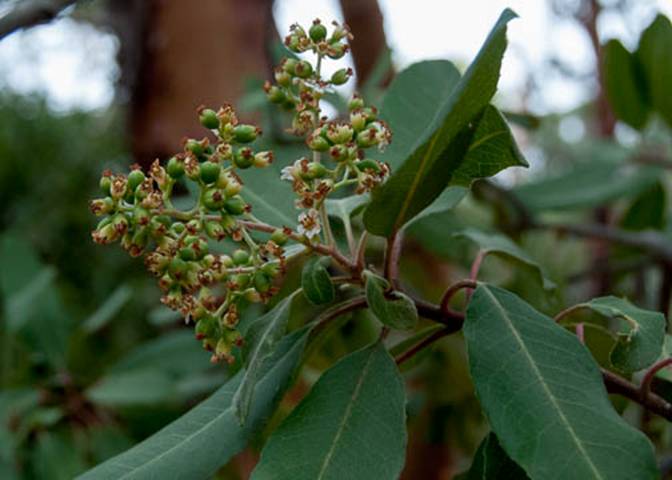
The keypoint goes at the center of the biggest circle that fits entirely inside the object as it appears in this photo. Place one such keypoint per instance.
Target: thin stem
(567, 312)
(392, 254)
(360, 259)
(652, 402)
(475, 269)
(421, 345)
(645, 386)
(452, 290)
(580, 332)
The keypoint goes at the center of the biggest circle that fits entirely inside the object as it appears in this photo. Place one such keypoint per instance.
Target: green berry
(279, 237)
(177, 267)
(240, 257)
(341, 76)
(105, 184)
(242, 280)
(206, 327)
(210, 171)
(194, 146)
(135, 178)
(317, 142)
(317, 32)
(262, 283)
(244, 158)
(289, 65)
(339, 153)
(271, 269)
(276, 95)
(175, 168)
(355, 103)
(303, 69)
(235, 205)
(214, 198)
(188, 254)
(208, 119)
(368, 164)
(245, 133)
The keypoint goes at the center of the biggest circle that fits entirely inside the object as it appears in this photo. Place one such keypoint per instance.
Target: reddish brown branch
(424, 343)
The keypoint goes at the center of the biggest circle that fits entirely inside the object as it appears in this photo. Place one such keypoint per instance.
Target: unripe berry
(175, 168)
(226, 261)
(242, 280)
(289, 64)
(228, 222)
(245, 133)
(272, 270)
(215, 230)
(105, 184)
(262, 283)
(208, 119)
(206, 327)
(213, 199)
(368, 164)
(177, 227)
(341, 76)
(243, 158)
(279, 237)
(317, 142)
(317, 32)
(194, 146)
(367, 138)
(177, 267)
(210, 171)
(283, 78)
(339, 153)
(187, 254)
(303, 69)
(235, 205)
(276, 94)
(336, 51)
(240, 257)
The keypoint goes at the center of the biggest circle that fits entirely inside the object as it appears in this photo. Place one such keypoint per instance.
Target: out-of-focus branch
(27, 14)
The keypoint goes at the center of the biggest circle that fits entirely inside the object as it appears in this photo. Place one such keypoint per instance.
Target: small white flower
(287, 173)
(309, 224)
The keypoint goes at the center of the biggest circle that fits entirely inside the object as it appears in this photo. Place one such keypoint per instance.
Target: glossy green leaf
(624, 84)
(439, 156)
(586, 185)
(448, 200)
(351, 425)
(261, 339)
(543, 395)
(134, 388)
(498, 244)
(492, 463)
(648, 210)
(198, 443)
(316, 283)
(640, 341)
(396, 310)
(108, 310)
(344, 208)
(654, 55)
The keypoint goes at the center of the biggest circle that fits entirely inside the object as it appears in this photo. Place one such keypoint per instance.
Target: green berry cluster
(205, 286)
(300, 87)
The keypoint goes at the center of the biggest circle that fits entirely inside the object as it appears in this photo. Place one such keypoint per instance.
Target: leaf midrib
(346, 416)
(545, 387)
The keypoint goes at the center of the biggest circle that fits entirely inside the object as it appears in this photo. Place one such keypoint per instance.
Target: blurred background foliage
(91, 363)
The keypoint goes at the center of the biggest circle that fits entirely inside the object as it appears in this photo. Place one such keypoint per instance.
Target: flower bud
(192, 168)
(215, 230)
(206, 327)
(208, 118)
(315, 170)
(242, 280)
(263, 159)
(339, 133)
(159, 175)
(367, 138)
(341, 76)
(118, 187)
(210, 172)
(368, 164)
(245, 133)
(336, 50)
(355, 103)
(317, 31)
(339, 33)
(288, 65)
(233, 188)
(358, 120)
(101, 206)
